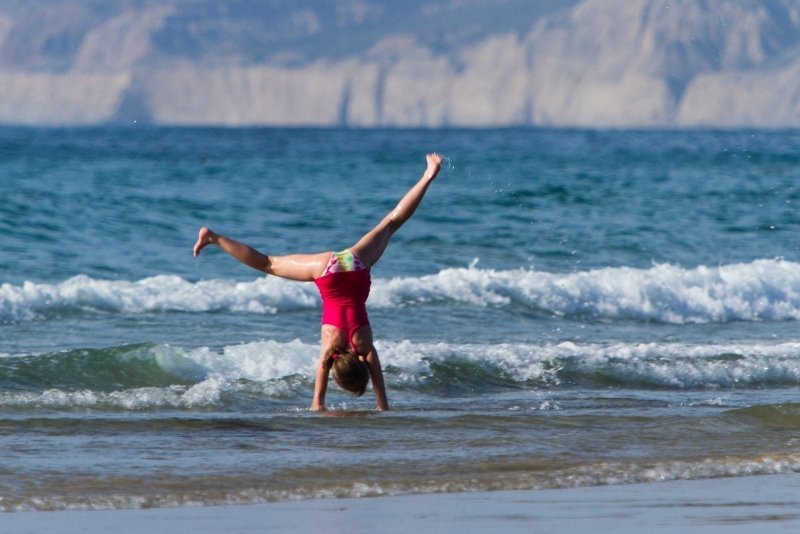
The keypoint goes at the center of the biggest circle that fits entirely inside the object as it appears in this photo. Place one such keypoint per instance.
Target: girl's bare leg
(370, 247)
(301, 267)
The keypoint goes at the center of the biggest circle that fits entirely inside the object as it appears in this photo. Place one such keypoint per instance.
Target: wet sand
(744, 504)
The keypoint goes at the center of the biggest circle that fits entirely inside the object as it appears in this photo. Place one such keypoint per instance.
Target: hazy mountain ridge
(642, 63)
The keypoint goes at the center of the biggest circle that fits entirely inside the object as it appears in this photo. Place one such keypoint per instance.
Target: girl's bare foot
(434, 164)
(204, 237)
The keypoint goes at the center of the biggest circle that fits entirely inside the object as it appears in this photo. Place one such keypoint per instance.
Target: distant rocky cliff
(367, 63)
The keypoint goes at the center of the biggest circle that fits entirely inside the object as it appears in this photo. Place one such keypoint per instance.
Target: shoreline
(766, 503)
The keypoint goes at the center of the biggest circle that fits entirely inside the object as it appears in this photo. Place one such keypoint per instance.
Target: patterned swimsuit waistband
(344, 261)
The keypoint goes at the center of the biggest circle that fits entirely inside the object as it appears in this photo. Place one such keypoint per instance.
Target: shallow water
(566, 308)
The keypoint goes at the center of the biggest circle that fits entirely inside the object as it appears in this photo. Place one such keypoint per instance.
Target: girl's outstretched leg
(301, 267)
(370, 247)
(244, 253)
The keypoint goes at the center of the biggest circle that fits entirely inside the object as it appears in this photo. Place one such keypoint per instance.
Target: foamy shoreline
(743, 504)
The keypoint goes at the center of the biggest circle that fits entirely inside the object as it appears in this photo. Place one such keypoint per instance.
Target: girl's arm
(321, 380)
(376, 375)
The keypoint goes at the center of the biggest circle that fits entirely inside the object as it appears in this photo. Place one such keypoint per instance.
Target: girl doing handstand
(343, 279)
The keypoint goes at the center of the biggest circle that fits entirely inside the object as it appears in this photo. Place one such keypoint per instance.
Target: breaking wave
(763, 290)
(253, 375)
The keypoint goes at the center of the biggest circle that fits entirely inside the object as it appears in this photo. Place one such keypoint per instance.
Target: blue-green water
(565, 308)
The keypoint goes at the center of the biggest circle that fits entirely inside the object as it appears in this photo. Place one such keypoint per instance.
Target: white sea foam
(267, 369)
(154, 294)
(204, 394)
(669, 365)
(259, 361)
(763, 290)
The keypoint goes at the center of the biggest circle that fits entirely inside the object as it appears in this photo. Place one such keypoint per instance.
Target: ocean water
(566, 308)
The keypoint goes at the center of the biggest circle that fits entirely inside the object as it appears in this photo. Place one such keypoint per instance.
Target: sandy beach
(745, 504)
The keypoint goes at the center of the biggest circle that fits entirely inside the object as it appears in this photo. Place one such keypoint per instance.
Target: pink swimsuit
(344, 288)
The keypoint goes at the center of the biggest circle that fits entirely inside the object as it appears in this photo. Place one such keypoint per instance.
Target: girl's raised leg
(301, 267)
(370, 247)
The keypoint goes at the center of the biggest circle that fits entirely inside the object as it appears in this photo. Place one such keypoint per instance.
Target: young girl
(343, 279)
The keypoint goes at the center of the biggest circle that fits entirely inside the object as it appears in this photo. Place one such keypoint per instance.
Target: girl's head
(350, 372)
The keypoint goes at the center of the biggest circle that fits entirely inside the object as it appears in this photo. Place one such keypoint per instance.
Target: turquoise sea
(567, 308)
